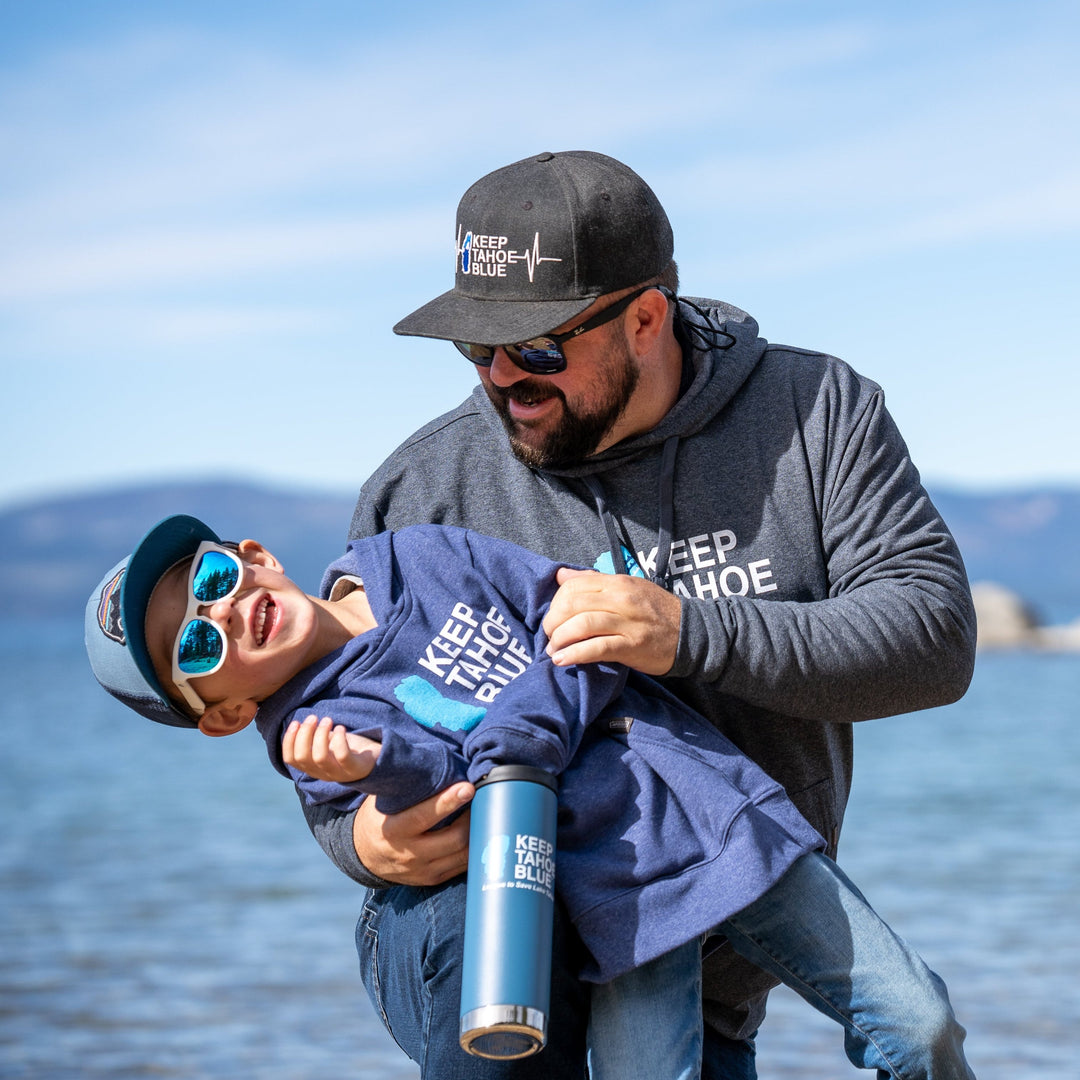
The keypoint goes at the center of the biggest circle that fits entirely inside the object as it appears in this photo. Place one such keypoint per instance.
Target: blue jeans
(648, 1022)
(815, 931)
(812, 930)
(409, 941)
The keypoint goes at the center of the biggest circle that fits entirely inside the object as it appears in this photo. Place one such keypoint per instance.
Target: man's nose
(503, 371)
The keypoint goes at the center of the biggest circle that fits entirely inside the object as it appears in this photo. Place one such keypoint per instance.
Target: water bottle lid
(519, 772)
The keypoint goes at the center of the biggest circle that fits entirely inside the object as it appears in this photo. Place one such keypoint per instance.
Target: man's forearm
(333, 829)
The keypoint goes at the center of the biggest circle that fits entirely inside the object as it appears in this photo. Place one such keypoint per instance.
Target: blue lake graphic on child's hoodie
(428, 707)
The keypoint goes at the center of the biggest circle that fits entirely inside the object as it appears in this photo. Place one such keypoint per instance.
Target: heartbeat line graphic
(532, 258)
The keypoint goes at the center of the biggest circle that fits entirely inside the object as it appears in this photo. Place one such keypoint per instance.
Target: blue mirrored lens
(201, 647)
(541, 356)
(215, 577)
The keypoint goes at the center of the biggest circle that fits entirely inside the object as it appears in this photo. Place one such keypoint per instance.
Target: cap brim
(455, 317)
(163, 546)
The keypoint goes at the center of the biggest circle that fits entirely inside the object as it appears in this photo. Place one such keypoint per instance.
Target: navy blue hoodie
(665, 828)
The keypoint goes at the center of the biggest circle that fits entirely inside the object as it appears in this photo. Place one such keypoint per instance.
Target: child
(425, 655)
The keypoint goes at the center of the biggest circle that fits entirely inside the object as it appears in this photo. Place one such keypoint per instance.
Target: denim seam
(430, 911)
(372, 936)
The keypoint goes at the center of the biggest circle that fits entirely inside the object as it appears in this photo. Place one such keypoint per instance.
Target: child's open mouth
(263, 619)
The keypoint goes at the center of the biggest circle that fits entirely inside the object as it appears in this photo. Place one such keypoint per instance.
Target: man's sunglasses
(544, 355)
(216, 574)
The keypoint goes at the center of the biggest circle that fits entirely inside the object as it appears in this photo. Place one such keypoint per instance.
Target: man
(779, 562)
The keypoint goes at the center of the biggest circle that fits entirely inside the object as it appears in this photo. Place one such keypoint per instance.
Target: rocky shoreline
(1005, 621)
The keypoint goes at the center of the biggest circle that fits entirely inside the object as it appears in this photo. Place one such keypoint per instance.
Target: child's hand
(328, 752)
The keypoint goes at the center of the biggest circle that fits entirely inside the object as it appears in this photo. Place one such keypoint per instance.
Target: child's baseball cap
(115, 633)
(538, 241)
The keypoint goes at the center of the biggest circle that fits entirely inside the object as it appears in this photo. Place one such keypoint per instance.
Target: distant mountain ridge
(53, 552)
(1027, 541)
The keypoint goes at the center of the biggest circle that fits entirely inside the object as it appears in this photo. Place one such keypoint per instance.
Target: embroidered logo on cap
(108, 612)
(489, 256)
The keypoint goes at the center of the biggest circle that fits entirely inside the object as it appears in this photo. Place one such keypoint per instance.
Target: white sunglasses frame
(181, 680)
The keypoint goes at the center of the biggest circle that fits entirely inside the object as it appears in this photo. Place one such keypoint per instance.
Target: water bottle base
(503, 1032)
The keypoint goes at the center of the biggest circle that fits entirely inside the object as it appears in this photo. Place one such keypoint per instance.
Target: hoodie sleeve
(408, 770)
(896, 632)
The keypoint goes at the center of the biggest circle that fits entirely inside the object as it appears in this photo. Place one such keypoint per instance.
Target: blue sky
(211, 215)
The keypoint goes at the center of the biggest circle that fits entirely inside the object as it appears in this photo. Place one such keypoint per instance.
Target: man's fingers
(580, 627)
(399, 847)
(418, 819)
(567, 573)
(577, 593)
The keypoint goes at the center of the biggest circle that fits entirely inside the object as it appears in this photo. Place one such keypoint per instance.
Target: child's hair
(115, 631)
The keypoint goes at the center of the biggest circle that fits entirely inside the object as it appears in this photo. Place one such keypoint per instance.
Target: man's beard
(578, 433)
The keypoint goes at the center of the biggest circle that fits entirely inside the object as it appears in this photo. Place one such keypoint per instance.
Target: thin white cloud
(156, 257)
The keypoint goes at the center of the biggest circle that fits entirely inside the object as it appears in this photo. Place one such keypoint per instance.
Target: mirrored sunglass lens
(201, 647)
(541, 354)
(478, 354)
(215, 577)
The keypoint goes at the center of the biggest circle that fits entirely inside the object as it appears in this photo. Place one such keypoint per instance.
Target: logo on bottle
(529, 865)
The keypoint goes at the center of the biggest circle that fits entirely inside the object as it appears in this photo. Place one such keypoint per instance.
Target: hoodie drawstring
(667, 516)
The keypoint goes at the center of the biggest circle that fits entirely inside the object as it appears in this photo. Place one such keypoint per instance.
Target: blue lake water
(167, 914)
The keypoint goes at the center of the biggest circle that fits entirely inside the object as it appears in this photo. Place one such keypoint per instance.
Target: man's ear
(251, 551)
(227, 719)
(647, 320)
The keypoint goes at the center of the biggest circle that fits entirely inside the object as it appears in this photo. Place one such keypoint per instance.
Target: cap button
(544, 157)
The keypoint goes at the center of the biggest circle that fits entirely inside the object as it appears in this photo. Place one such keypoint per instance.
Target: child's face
(269, 623)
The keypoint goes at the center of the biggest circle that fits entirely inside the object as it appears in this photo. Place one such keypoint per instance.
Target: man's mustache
(525, 393)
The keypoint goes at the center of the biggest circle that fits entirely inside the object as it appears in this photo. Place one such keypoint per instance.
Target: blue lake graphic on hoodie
(427, 706)
(606, 564)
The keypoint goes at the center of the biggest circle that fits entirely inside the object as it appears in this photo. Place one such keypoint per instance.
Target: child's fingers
(338, 745)
(305, 744)
(296, 744)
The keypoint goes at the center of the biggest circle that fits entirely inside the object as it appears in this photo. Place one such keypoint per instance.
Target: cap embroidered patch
(491, 256)
(108, 612)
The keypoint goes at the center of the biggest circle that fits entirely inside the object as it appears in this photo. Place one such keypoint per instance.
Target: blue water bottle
(509, 913)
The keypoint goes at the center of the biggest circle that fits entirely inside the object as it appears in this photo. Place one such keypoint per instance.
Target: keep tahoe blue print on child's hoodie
(663, 823)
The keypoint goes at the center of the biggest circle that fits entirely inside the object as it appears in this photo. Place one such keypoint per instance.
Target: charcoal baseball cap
(538, 241)
(116, 612)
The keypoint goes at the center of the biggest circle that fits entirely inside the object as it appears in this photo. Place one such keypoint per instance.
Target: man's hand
(327, 751)
(615, 618)
(400, 847)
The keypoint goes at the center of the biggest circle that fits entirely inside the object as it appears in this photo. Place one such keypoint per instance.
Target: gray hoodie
(819, 584)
